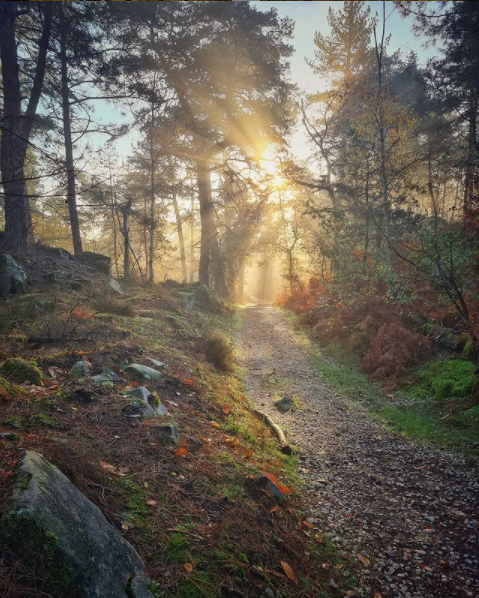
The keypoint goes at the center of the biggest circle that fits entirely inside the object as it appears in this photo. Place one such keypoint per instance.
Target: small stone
(142, 373)
(79, 370)
(112, 374)
(8, 436)
(156, 363)
(102, 379)
(284, 404)
(169, 434)
(269, 593)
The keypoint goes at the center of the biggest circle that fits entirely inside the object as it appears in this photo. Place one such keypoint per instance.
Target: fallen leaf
(188, 567)
(366, 562)
(326, 566)
(126, 526)
(307, 523)
(248, 454)
(273, 509)
(180, 452)
(152, 503)
(226, 410)
(377, 595)
(4, 394)
(215, 424)
(111, 469)
(187, 381)
(289, 572)
(318, 538)
(123, 469)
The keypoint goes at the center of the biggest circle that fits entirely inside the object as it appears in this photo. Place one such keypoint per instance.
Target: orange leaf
(4, 394)
(180, 452)
(215, 424)
(248, 454)
(289, 572)
(273, 509)
(188, 567)
(187, 381)
(366, 562)
(318, 538)
(226, 410)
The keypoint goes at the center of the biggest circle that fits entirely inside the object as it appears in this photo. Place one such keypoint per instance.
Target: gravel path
(409, 509)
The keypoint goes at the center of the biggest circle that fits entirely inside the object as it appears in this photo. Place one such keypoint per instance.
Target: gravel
(411, 509)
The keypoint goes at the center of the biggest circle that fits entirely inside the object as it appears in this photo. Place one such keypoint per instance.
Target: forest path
(410, 509)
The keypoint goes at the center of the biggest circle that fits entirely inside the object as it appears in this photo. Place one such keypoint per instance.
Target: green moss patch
(19, 370)
(446, 379)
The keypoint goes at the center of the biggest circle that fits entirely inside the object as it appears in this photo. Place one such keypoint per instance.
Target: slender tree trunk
(241, 281)
(16, 127)
(151, 223)
(67, 134)
(181, 238)
(206, 217)
(192, 239)
(126, 238)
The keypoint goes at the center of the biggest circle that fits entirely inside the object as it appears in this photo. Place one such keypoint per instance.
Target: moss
(38, 549)
(135, 506)
(447, 379)
(45, 420)
(19, 370)
(198, 585)
(13, 389)
(179, 549)
(14, 421)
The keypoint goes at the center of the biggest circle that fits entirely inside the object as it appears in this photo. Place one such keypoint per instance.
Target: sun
(270, 168)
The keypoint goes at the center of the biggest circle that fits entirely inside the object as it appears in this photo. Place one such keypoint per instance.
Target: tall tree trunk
(67, 134)
(181, 238)
(17, 127)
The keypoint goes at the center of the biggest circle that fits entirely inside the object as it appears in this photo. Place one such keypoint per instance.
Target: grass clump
(219, 352)
(447, 379)
(18, 370)
(106, 304)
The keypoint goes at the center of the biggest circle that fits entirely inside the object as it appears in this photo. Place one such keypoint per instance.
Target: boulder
(285, 404)
(12, 276)
(79, 370)
(113, 286)
(61, 533)
(139, 410)
(99, 262)
(142, 373)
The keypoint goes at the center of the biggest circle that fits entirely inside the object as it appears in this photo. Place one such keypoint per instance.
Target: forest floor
(405, 510)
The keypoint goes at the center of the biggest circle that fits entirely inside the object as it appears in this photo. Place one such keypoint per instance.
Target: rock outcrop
(79, 554)
(12, 276)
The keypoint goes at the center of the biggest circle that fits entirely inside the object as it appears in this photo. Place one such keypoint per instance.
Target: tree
(17, 125)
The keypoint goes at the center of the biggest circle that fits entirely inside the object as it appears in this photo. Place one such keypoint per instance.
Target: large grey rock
(81, 554)
(139, 410)
(99, 262)
(142, 373)
(12, 276)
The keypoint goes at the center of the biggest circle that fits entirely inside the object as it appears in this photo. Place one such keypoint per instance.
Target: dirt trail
(411, 510)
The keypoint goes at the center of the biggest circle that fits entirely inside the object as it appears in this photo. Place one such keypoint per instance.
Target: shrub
(18, 370)
(392, 351)
(219, 352)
